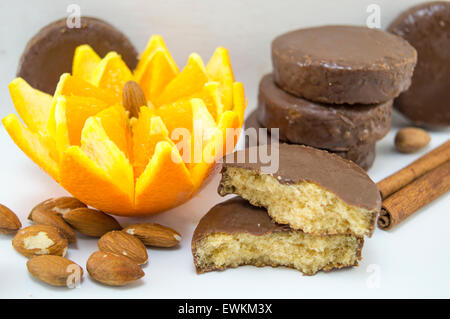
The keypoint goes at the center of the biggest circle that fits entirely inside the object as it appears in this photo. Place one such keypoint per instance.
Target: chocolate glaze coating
(362, 154)
(343, 64)
(427, 28)
(50, 52)
(334, 127)
(237, 216)
(299, 163)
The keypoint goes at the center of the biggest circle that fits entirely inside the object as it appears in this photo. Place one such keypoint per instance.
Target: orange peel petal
(165, 183)
(85, 61)
(32, 105)
(219, 69)
(85, 180)
(186, 83)
(40, 149)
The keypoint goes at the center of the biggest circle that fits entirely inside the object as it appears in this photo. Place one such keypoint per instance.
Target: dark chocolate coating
(50, 52)
(427, 28)
(237, 216)
(362, 154)
(299, 163)
(343, 64)
(333, 127)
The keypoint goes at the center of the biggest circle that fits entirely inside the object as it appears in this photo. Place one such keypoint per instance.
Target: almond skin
(154, 235)
(91, 222)
(121, 243)
(113, 270)
(40, 240)
(133, 98)
(411, 139)
(49, 217)
(9, 222)
(58, 205)
(55, 270)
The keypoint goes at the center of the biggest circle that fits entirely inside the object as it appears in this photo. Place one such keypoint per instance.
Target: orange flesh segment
(222, 141)
(39, 149)
(239, 101)
(186, 83)
(158, 72)
(32, 105)
(210, 94)
(112, 73)
(155, 43)
(165, 183)
(78, 110)
(219, 69)
(114, 121)
(148, 130)
(85, 61)
(96, 144)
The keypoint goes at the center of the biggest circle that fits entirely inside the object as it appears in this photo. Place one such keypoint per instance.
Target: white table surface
(408, 262)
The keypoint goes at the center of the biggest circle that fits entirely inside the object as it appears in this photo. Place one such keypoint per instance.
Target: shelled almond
(91, 222)
(112, 269)
(9, 222)
(55, 270)
(154, 234)
(122, 243)
(40, 240)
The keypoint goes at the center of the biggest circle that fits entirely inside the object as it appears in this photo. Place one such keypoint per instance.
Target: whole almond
(112, 269)
(121, 243)
(411, 139)
(58, 205)
(154, 234)
(49, 217)
(55, 270)
(91, 222)
(9, 222)
(133, 98)
(40, 240)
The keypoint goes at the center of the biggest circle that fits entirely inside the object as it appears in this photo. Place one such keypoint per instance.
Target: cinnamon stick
(424, 164)
(414, 196)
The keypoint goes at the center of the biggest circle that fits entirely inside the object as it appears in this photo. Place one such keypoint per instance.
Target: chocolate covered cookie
(343, 64)
(234, 233)
(333, 127)
(362, 154)
(50, 52)
(427, 28)
(311, 190)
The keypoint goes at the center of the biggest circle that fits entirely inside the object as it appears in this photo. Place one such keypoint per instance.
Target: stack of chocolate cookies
(311, 213)
(332, 88)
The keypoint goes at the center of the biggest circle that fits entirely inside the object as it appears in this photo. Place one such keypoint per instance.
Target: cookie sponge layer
(294, 249)
(303, 205)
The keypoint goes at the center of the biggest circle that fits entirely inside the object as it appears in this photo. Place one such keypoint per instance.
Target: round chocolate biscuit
(362, 154)
(343, 64)
(50, 52)
(427, 28)
(333, 127)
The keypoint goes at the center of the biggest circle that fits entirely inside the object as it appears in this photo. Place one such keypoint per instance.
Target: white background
(413, 260)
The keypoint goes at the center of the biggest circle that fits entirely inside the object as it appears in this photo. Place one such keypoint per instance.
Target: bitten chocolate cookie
(343, 64)
(333, 127)
(363, 154)
(427, 28)
(234, 233)
(50, 52)
(312, 190)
